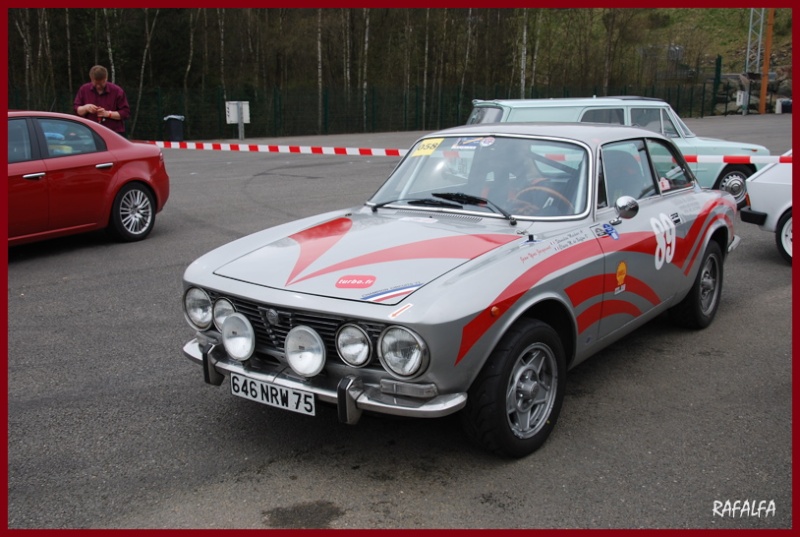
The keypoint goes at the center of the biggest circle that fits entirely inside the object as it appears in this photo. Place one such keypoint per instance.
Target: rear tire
(133, 213)
(783, 236)
(700, 306)
(513, 405)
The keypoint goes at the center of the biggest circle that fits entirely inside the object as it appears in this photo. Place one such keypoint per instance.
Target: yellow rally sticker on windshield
(427, 147)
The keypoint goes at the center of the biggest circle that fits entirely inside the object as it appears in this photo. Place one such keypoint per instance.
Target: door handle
(33, 176)
(105, 166)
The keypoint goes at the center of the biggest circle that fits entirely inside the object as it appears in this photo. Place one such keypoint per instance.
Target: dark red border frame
(309, 4)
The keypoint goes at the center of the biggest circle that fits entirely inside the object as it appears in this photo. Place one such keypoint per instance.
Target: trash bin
(174, 128)
(786, 106)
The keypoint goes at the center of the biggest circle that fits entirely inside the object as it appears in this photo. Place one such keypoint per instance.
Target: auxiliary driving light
(238, 337)
(305, 351)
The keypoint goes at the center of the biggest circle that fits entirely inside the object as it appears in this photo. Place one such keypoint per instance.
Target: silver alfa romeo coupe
(493, 259)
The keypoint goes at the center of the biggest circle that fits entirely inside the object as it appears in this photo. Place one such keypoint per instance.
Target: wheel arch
(139, 182)
(720, 236)
(556, 314)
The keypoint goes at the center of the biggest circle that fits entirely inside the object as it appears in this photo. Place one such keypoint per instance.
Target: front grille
(270, 337)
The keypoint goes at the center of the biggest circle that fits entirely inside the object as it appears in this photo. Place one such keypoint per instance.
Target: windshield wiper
(418, 201)
(467, 199)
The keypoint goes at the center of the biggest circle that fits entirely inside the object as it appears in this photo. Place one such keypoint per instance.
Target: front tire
(733, 180)
(133, 213)
(783, 236)
(700, 306)
(513, 405)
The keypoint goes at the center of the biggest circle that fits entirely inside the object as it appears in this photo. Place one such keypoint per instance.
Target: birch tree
(466, 59)
(523, 61)
(364, 76)
(45, 54)
(535, 59)
(221, 25)
(346, 51)
(319, 70)
(148, 32)
(69, 49)
(23, 25)
(194, 16)
(425, 68)
(109, 48)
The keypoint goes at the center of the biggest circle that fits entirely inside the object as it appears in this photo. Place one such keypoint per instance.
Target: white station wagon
(649, 113)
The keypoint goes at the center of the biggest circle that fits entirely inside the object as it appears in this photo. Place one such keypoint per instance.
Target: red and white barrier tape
(380, 152)
(297, 149)
(739, 159)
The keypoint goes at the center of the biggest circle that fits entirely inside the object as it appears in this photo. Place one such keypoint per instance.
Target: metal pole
(762, 102)
(756, 19)
(240, 116)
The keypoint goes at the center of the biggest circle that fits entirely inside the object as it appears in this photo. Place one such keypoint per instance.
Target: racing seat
(623, 175)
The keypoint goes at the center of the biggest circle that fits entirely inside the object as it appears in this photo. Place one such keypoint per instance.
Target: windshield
(497, 175)
(687, 132)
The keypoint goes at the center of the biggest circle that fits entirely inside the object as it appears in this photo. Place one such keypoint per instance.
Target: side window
(646, 118)
(560, 114)
(670, 130)
(671, 174)
(626, 171)
(69, 138)
(615, 116)
(19, 141)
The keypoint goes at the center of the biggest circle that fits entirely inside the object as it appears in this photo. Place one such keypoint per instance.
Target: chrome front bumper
(350, 394)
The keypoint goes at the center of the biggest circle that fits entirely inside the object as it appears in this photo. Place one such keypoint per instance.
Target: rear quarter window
(485, 114)
(19, 142)
(614, 116)
(566, 114)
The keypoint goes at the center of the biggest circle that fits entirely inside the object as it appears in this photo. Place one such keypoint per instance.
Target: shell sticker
(622, 272)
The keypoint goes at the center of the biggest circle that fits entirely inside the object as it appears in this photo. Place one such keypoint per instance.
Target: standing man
(102, 101)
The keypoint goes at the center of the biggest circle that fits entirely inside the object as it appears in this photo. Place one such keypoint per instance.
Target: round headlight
(222, 309)
(305, 351)
(238, 337)
(197, 306)
(353, 345)
(401, 351)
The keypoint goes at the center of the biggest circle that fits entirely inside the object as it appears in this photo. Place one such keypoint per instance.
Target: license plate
(272, 395)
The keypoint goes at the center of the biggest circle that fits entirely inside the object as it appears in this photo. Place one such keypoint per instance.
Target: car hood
(728, 146)
(365, 256)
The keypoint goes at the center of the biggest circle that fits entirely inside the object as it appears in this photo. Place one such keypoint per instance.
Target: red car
(68, 175)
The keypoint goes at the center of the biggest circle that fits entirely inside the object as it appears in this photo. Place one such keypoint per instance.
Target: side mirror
(627, 207)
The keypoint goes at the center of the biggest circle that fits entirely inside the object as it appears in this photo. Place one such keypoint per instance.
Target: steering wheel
(558, 196)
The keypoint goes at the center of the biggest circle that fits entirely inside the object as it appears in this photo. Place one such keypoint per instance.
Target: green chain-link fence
(299, 112)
